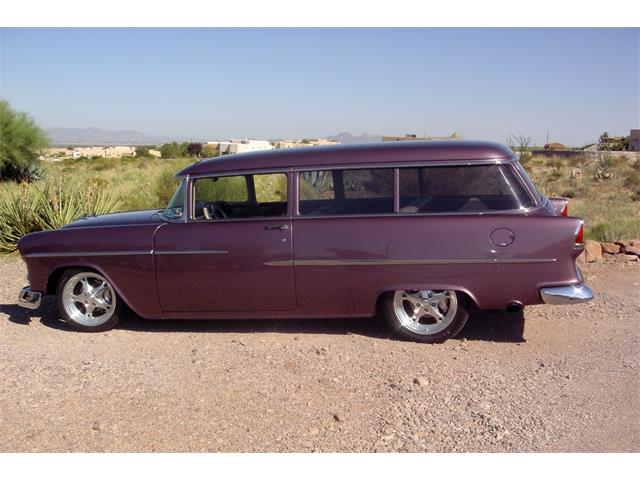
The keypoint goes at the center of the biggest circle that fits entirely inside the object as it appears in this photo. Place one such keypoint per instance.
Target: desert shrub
(554, 175)
(164, 187)
(21, 143)
(520, 145)
(49, 204)
(578, 161)
(208, 151)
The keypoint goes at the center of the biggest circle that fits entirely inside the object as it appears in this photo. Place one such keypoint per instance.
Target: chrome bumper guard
(29, 298)
(566, 294)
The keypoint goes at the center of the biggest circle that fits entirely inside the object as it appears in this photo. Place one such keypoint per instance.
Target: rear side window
(346, 192)
(463, 189)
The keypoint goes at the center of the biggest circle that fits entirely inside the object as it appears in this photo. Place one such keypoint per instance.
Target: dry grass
(605, 195)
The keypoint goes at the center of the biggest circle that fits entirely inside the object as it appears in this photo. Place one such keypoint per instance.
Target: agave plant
(49, 204)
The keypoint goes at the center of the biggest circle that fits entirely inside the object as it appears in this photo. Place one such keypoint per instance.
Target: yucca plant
(49, 204)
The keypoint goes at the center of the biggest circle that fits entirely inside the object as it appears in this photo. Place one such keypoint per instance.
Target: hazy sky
(281, 83)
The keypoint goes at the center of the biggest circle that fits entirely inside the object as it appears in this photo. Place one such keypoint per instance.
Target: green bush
(49, 204)
(21, 143)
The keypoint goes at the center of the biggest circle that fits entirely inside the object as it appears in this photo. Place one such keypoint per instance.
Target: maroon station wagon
(418, 232)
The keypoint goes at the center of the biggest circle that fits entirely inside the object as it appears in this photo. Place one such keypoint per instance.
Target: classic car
(416, 232)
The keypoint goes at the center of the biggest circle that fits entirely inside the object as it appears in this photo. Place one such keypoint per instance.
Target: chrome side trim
(190, 252)
(279, 263)
(125, 253)
(566, 294)
(90, 254)
(467, 261)
(29, 299)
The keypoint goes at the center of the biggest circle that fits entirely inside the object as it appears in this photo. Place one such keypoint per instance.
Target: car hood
(142, 217)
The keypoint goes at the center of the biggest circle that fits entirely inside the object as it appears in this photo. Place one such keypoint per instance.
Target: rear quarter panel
(343, 264)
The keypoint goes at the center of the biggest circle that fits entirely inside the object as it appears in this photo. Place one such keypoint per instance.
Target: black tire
(388, 311)
(107, 324)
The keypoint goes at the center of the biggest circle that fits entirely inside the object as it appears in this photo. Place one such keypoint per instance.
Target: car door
(234, 254)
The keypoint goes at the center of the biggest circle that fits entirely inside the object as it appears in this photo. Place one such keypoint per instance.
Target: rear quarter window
(346, 192)
(461, 189)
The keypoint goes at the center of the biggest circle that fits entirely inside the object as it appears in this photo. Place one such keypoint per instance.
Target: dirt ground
(553, 379)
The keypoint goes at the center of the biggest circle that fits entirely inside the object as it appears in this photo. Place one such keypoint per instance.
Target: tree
(170, 150)
(142, 151)
(208, 151)
(194, 149)
(21, 144)
(520, 145)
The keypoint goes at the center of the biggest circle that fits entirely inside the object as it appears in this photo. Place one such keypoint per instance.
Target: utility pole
(547, 138)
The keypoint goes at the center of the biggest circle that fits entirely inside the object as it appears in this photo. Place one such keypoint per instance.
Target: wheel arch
(57, 273)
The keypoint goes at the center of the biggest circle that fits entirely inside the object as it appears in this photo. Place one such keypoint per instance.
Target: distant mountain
(347, 137)
(96, 136)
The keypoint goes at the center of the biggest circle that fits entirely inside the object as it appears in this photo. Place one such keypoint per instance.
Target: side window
(240, 196)
(459, 189)
(346, 192)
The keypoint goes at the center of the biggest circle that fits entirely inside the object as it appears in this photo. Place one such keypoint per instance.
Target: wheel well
(56, 275)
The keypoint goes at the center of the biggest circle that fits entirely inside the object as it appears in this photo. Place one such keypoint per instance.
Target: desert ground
(556, 378)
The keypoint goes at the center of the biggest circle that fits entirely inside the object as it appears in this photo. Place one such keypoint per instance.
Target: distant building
(634, 140)
(310, 142)
(107, 152)
(240, 146)
(414, 137)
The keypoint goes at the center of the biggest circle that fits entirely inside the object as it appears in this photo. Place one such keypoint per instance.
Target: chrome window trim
(413, 163)
(236, 173)
(420, 164)
(412, 215)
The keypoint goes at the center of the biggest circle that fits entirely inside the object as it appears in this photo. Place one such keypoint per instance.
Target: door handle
(276, 227)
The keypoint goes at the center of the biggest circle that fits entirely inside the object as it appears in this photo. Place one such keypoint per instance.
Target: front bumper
(29, 299)
(566, 294)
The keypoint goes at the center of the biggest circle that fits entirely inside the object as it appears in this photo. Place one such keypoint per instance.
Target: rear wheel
(87, 301)
(428, 316)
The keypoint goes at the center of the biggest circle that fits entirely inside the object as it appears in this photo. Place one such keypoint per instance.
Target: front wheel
(427, 316)
(87, 301)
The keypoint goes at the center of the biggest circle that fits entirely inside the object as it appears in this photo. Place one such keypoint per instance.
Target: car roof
(366, 154)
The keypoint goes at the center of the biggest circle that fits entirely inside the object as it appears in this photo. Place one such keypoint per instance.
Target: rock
(610, 248)
(631, 250)
(623, 257)
(422, 381)
(581, 258)
(629, 243)
(338, 418)
(314, 431)
(96, 426)
(592, 251)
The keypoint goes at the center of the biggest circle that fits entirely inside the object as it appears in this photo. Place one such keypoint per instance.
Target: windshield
(175, 209)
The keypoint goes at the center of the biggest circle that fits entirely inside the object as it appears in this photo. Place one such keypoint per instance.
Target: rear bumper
(29, 299)
(566, 294)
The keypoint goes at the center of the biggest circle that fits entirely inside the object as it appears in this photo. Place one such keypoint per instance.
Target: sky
(208, 84)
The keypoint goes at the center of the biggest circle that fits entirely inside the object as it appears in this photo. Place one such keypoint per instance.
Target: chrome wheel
(425, 312)
(89, 299)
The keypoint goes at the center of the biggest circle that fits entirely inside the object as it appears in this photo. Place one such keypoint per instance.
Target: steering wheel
(217, 211)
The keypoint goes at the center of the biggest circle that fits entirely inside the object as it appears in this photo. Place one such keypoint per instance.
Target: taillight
(579, 240)
(565, 210)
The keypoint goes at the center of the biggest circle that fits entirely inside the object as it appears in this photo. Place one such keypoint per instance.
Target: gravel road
(566, 379)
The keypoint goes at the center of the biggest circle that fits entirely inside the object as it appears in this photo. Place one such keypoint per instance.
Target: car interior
(220, 198)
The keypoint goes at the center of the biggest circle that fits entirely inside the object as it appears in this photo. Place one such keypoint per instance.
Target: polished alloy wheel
(425, 312)
(89, 299)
